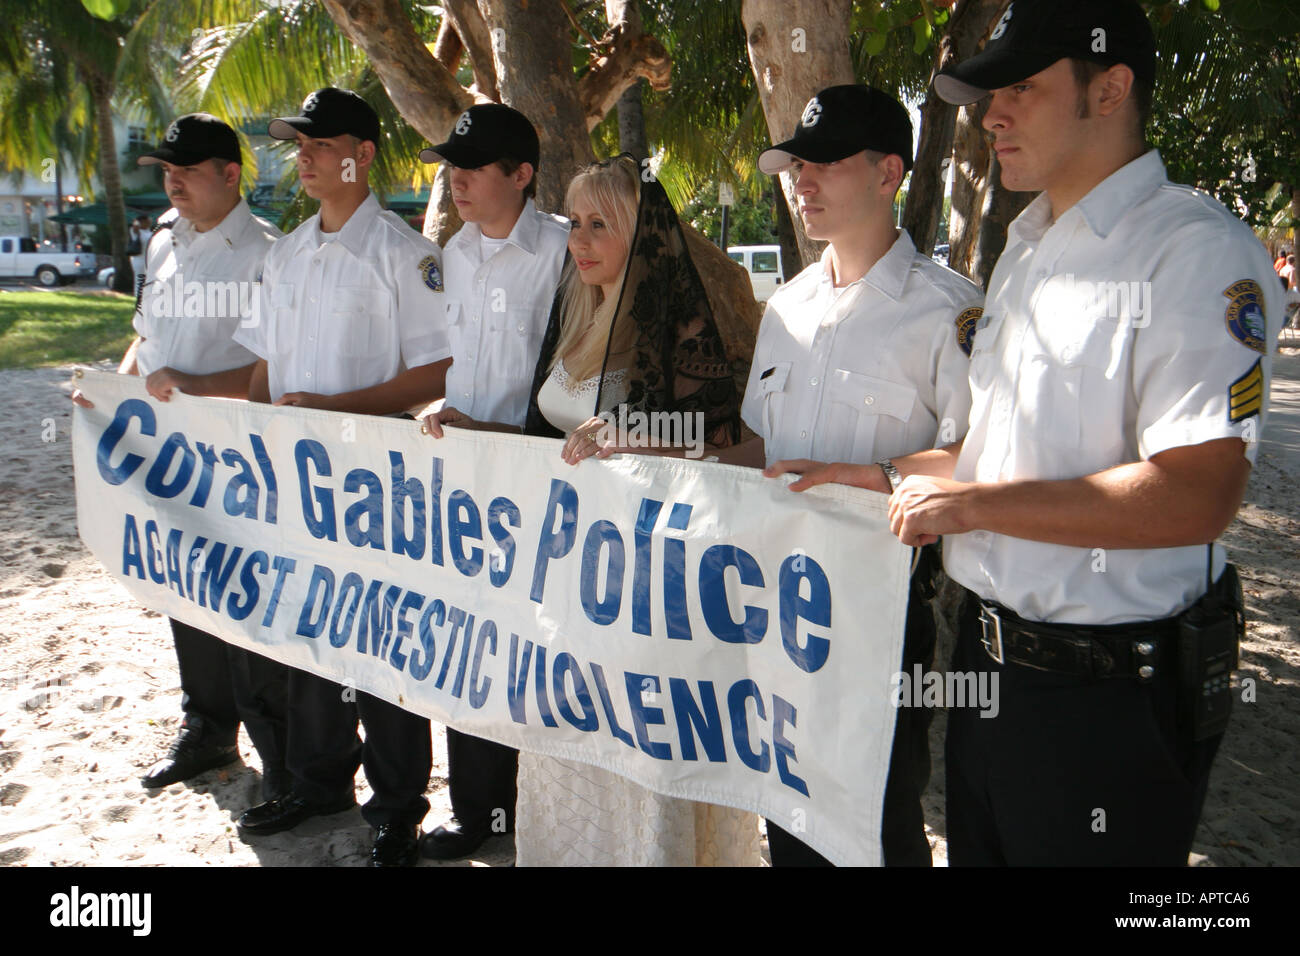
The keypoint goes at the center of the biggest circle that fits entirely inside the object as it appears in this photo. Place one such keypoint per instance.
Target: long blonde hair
(613, 188)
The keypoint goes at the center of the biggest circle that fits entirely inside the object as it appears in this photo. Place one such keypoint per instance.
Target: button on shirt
(497, 307)
(199, 288)
(348, 310)
(871, 370)
(1139, 321)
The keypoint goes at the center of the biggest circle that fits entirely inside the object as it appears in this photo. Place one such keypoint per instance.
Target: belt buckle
(988, 616)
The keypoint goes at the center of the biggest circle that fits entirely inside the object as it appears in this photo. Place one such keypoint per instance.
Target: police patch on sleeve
(1245, 315)
(966, 323)
(1246, 394)
(432, 274)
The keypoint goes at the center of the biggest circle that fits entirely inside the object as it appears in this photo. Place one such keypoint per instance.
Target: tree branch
(422, 89)
(473, 31)
(631, 55)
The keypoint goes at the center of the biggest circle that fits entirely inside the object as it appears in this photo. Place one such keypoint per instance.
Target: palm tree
(57, 97)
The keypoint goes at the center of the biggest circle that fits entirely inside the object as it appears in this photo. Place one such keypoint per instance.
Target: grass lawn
(61, 328)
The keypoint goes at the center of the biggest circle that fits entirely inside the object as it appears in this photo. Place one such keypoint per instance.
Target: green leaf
(875, 43)
(106, 9)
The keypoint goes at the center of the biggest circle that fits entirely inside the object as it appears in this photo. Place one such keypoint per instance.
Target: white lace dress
(573, 814)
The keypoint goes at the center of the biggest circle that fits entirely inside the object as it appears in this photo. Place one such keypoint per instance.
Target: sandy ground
(89, 694)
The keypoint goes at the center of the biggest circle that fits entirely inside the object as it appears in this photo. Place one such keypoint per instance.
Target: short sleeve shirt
(348, 310)
(1141, 320)
(497, 307)
(875, 369)
(199, 288)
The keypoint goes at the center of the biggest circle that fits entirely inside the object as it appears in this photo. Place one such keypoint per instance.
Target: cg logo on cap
(1001, 28)
(811, 113)
(462, 124)
(310, 102)
(173, 133)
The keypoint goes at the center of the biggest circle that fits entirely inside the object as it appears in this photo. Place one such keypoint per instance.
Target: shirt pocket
(516, 340)
(984, 353)
(281, 334)
(359, 322)
(771, 393)
(859, 401)
(1072, 370)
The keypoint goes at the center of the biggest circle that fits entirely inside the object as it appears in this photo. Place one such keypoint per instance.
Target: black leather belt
(1136, 650)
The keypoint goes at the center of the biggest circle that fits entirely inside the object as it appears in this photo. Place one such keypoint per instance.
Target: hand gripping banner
(691, 626)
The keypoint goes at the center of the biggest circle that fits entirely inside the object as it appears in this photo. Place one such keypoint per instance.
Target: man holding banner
(861, 356)
(1117, 402)
(208, 250)
(352, 321)
(502, 268)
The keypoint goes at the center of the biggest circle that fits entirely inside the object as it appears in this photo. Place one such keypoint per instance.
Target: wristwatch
(891, 473)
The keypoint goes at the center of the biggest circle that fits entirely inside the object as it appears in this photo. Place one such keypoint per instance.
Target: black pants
(1072, 771)
(223, 685)
(325, 751)
(902, 826)
(481, 777)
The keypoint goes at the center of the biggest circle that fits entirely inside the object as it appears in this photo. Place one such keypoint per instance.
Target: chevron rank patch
(966, 328)
(1246, 394)
(432, 274)
(1245, 315)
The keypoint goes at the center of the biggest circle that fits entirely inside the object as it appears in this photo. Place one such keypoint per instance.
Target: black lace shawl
(679, 361)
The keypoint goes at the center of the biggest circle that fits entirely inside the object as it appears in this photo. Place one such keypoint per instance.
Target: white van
(763, 263)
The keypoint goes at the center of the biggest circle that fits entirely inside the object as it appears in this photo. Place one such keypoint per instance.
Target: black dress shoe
(396, 844)
(188, 757)
(452, 840)
(275, 816)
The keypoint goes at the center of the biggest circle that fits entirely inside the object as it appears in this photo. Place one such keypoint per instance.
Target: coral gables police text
(479, 593)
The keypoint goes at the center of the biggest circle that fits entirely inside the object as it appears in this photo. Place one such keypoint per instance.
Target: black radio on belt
(1209, 633)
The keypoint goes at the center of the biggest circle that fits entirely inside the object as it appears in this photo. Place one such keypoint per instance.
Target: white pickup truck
(21, 257)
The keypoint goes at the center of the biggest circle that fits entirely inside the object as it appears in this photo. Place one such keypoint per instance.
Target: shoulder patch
(1245, 314)
(966, 323)
(432, 274)
(1246, 394)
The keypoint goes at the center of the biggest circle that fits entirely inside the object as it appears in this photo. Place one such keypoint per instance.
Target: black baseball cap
(329, 112)
(191, 139)
(840, 121)
(1034, 34)
(485, 133)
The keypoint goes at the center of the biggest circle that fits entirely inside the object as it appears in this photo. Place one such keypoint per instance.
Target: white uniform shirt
(1130, 326)
(497, 311)
(872, 370)
(348, 310)
(199, 288)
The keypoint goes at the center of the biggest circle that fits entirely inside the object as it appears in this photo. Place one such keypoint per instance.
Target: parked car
(763, 263)
(21, 257)
(940, 254)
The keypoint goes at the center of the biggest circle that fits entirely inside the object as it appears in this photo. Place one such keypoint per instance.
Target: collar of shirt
(351, 237)
(524, 235)
(228, 232)
(1104, 205)
(888, 275)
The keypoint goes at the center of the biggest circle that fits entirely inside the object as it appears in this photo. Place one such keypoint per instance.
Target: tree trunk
(101, 89)
(1001, 205)
(970, 21)
(796, 49)
(785, 233)
(970, 170)
(631, 119)
(631, 122)
(534, 66)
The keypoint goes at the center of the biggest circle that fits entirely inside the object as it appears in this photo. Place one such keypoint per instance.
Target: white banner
(691, 626)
